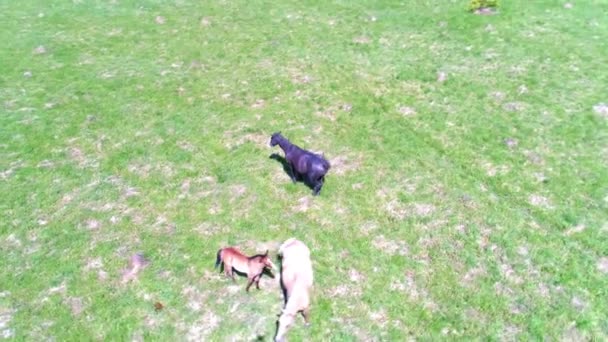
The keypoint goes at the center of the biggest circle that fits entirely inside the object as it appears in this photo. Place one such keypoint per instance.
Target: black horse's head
(275, 138)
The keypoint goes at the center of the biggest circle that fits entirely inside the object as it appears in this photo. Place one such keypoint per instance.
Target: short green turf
(468, 195)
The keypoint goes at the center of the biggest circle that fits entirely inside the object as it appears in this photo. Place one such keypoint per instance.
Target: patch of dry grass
(466, 199)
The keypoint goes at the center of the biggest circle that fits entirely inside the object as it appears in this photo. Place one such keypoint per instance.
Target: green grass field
(468, 195)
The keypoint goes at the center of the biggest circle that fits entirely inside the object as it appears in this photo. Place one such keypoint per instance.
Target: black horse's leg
(292, 172)
(318, 186)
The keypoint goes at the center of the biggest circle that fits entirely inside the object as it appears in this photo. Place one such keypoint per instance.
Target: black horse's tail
(218, 259)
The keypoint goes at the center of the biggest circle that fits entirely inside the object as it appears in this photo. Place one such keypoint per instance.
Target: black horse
(302, 164)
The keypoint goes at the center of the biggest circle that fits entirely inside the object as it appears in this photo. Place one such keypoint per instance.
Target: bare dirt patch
(579, 303)
(355, 276)
(61, 289)
(343, 164)
(406, 111)
(601, 109)
(469, 278)
(510, 332)
(602, 265)
(540, 201)
(540, 177)
(493, 170)
(304, 204)
(78, 156)
(503, 290)
(129, 191)
(45, 164)
(14, 166)
(233, 139)
(543, 290)
(509, 273)
(368, 227)
(259, 103)
(362, 40)
(422, 209)
(92, 224)
(40, 50)
(380, 318)
(400, 211)
(357, 186)
(300, 78)
(163, 225)
(93, 264)
(76, 305)
(573, 334)
(215, 209)
(331, 113)
(514, 106)
(186, 146)
(208, 275)
(137, 263)
(164, 169)
(511, 142)
(6, 316)
(534, 157)
(13, 241)
(522, 89)
(347, 107)
(391, 247)
(262, 246)
(328, 113)
(237, 191)
(208, 229)
(576, 229)
(442, 76)
(414, 292)
(344, 290)
(498, 96)
(485, 11)
(195, 299)
(202, 328)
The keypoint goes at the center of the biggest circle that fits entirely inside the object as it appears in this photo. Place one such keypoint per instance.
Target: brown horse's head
(267, 262)
(263, 260)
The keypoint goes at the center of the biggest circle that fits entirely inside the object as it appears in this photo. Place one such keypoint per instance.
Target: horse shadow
(282, 284)
(266, 272)
(287, 169)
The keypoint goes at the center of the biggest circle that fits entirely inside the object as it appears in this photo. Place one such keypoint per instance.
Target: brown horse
(233, 260)
(296, 281)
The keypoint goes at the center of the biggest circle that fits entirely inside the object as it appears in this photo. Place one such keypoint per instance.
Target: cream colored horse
(296, 281)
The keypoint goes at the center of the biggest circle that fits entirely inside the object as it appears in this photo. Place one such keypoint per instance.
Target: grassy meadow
(467, 199)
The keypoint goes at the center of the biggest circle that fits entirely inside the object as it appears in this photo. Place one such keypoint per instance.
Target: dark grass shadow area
(287, 170)
(265, 272)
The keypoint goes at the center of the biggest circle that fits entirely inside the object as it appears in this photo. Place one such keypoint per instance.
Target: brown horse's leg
(230, 273)
(257, 282)
(249, 283)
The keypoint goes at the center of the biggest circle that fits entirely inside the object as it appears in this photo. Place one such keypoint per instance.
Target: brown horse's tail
(218, 259)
